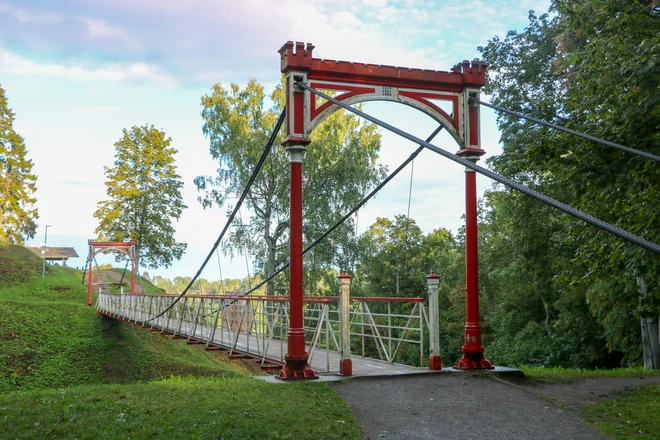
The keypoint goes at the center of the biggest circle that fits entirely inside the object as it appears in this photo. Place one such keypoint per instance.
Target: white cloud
(375, 3)
(11, 63)
(33, 16)
(345, 19)
(99, 28)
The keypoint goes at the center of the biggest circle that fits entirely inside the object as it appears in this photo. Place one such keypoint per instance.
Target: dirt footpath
(588, 391)
(454, 406)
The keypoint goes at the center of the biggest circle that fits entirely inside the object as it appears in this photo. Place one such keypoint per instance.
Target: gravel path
(589, 391)
(453, 406)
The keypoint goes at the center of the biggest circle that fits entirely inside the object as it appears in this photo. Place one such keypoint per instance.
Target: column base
(297, 369)
(346, 367)
(435, 363)
(473, 361)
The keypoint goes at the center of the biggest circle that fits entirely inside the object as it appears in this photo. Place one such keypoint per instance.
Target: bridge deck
(322, 360)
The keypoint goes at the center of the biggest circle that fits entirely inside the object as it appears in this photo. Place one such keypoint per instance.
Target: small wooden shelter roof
(56, 253)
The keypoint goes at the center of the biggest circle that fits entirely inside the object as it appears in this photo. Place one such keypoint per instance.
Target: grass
(192, 408)
(138, 354)
(114, 276)
(637, 415)
(68, 372)
(49, 337)
(567, 375)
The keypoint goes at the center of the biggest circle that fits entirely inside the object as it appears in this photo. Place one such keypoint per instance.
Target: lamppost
(43, 253)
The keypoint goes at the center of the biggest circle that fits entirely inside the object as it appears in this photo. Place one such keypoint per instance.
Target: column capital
(432, 278)
(472, 158)
(296, 140)
(471, 154)
(296, 152)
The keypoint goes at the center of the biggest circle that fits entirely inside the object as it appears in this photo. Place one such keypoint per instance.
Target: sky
(77, 72)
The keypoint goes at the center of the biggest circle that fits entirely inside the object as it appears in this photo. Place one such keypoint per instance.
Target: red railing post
(89, 284)
(296, 366)
(133, 255)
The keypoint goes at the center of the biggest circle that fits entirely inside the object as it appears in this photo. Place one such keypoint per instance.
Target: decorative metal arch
(362, 82)
(125, 247)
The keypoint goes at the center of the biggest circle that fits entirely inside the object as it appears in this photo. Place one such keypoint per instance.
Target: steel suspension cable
(632, 238)
(121, 281)
(247, 265)
(355, 209)
(405, 239)
(569, 131)
(222, 283)
(255, 172)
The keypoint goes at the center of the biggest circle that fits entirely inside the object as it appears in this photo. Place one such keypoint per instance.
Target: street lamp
(43, 253)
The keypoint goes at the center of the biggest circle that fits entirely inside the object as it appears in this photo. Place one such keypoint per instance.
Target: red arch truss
(443, 95)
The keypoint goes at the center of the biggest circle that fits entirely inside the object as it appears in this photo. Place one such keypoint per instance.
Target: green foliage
(395, 256)
(144, 193)
(563, 293)
(340, 166)
(190, 408)
(395, 253)
(633, 416)
(17, 183)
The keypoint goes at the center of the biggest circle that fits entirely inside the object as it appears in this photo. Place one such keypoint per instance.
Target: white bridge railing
(389, 329)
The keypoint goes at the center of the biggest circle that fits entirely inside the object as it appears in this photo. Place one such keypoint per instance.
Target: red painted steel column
(133, 267)
(473, 358)
(296, 366)
(132, 252)
(89, 280)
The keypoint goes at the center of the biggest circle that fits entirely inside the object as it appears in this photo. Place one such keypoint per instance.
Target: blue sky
(77, 72)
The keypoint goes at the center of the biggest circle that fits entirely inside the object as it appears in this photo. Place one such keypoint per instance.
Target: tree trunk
(650, 333)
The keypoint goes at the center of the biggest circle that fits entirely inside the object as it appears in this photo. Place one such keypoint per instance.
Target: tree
(391, 256)
(17, 183)
(340, 166)
(144, 193)
(589, 69)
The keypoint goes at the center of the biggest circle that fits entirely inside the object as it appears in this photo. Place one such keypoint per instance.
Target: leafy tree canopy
(340, 166)
(17, 182)
(588, 68)
(144, 196)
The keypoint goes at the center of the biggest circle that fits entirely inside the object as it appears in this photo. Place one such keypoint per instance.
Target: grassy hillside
(114, 277)
(68, 372)
(236, 408)
(49, 337)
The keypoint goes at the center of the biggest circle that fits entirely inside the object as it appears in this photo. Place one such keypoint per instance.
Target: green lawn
(188, 409)
(68, 372)
(634, 416)
(563, 375)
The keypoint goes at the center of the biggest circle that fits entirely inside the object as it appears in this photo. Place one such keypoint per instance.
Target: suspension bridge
(298, 335)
